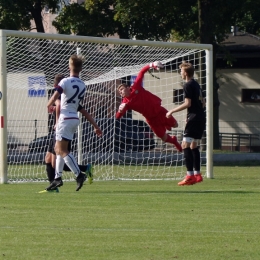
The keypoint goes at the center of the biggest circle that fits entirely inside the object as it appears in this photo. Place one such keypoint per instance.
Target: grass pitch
(132, 220)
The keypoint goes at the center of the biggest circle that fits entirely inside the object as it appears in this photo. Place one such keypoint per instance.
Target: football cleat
(89, 173)
(80, 180)
(55, 184)
(55, 190)
(189, 180)
(198, 177)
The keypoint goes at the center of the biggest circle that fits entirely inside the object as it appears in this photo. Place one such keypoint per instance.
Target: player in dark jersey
(195, 126)
(149, 105)
(50, 157)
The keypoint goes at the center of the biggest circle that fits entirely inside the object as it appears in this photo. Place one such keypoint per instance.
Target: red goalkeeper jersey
(141, 100)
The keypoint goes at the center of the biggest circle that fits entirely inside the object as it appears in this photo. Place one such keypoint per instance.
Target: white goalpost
(128, 149)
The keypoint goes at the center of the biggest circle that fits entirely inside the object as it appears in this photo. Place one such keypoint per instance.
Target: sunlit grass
(216, 219)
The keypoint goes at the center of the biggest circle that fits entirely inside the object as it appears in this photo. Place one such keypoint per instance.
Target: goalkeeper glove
(122, 107)
(156, 65)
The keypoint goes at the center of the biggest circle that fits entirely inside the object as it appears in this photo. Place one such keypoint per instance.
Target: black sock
(188, 159)
(50, 172)
(66, 168)
(196, 159)
(82, 168)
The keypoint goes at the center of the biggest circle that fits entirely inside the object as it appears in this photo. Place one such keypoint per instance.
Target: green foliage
(249, 17)
(140, 19)
(149, 19)
(93, 18)
(17, 14)
(78, 20)
(12, 17)
(134, 220)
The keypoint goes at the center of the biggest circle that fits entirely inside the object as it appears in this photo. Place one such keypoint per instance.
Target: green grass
(146, 220)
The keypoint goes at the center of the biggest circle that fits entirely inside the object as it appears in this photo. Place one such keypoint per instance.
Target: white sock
(72, 164)
(190, 173)
(59, 166)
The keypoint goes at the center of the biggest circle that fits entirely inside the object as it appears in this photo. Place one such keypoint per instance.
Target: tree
(76, 19)
(17, 14)
(90, 18)
(12, 18)
(249, 17)
(153, 19)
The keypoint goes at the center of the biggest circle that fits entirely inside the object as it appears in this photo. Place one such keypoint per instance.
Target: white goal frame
(3, 84)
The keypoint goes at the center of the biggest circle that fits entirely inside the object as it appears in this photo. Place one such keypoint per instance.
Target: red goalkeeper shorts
(160, 123)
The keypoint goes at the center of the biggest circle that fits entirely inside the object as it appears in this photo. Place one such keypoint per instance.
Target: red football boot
(189, 180)
(198, 177)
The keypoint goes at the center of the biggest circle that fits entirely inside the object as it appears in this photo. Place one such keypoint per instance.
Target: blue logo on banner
(37, 86)
(132, 80)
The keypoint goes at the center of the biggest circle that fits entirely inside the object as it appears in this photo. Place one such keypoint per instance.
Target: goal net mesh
(128, 148)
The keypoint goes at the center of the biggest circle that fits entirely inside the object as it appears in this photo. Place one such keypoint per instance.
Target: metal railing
(234, 135)
(240, 142)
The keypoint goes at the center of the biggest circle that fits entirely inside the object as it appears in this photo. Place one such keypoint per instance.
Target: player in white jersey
(72, 90)
(50, 157)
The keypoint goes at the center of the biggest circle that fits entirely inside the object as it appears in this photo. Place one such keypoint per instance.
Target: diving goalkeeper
(135, 97)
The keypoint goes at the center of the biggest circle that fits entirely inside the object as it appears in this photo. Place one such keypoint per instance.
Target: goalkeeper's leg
(173, 140)
(159, 126)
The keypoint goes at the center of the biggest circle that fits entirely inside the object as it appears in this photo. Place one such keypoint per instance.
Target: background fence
(234, 136)
(243, 136)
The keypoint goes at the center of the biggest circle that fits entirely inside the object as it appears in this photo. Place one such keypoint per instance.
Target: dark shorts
(195, 128)
(52, 145)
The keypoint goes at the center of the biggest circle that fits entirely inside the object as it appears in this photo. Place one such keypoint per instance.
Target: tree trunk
(36, 12)
(205, 26)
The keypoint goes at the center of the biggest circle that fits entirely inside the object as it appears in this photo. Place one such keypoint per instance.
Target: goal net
(128, 148)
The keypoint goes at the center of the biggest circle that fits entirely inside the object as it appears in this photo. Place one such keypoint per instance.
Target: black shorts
(52, 145)
(195, 128)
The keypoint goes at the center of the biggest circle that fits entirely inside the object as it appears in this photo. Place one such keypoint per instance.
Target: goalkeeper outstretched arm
(127, 92)
(157, 65)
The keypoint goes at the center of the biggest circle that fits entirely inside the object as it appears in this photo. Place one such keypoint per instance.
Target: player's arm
(121, 110)
(57, 111)
(54, 97)
(186, 104)
(97, 130)
(157, 65)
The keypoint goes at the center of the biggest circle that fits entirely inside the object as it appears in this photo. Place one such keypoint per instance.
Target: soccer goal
(128, 149)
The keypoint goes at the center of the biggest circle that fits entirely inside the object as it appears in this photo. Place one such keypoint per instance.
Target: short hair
(188, 68)
(76, 62)
(57, 79)
(122, 85)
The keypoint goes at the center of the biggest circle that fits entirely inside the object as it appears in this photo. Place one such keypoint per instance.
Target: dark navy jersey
(192, 90)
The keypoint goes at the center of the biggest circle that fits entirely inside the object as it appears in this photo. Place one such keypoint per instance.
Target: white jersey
(73, 92)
